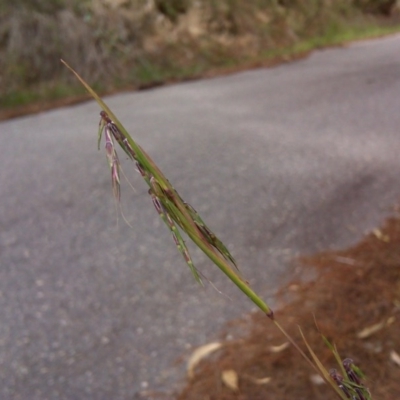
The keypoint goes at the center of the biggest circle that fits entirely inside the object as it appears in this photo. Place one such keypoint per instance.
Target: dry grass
(355, 289)
(137, 43)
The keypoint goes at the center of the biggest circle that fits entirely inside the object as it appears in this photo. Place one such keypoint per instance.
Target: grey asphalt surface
(279, 162)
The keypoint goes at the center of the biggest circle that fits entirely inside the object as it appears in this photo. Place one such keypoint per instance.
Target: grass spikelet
(180, 243)
(113, 163)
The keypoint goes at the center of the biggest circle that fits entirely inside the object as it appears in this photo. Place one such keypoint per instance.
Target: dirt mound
(355, 301)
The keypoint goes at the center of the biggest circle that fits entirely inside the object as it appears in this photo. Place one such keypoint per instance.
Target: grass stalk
(174, 211)
(184, 218)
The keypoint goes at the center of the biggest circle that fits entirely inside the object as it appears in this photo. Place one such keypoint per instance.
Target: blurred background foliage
(118, 44)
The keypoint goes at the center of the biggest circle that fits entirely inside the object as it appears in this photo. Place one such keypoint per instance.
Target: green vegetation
(134, 43)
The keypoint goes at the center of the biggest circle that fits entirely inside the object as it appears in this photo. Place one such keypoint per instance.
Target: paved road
(281, 161)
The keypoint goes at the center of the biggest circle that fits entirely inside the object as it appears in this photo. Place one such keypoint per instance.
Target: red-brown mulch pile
(356, 292)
